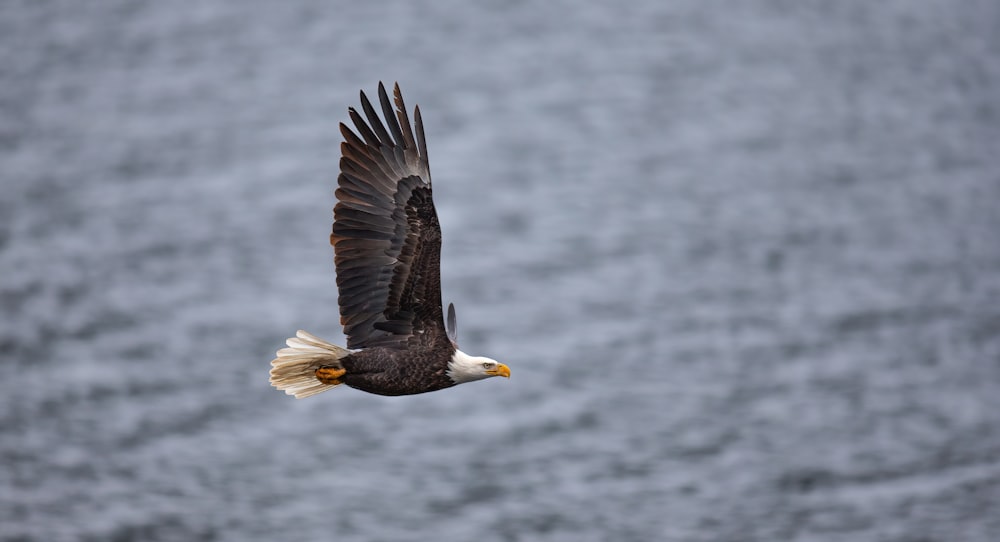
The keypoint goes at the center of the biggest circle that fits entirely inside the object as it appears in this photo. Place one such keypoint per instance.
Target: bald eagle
(387, 249)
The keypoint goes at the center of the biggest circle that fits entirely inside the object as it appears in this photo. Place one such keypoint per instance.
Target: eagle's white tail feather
(294, 370)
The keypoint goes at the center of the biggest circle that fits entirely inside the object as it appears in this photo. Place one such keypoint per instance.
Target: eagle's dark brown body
(389, 371)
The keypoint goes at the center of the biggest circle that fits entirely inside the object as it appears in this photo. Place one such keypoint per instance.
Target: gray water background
(742, 258)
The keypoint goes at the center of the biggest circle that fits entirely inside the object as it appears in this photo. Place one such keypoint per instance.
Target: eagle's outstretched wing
(386, 236)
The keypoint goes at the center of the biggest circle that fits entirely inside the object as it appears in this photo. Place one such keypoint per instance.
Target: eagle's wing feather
(452, 325)
(386, 236)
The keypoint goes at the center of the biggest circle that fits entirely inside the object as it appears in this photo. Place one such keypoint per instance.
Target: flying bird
(387, 249)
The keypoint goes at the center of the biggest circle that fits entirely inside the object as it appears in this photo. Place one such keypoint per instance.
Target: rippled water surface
(743, 259)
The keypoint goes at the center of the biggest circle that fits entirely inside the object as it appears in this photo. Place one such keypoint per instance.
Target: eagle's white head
(465, 368)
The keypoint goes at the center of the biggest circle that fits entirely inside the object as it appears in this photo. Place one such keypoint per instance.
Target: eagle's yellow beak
(501, 370)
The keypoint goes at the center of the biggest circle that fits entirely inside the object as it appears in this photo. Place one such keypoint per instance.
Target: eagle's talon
(329, 375)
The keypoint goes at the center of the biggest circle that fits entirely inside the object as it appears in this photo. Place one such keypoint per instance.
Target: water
(742, 260)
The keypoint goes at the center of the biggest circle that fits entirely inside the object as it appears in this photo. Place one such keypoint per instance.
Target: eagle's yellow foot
(329, 375)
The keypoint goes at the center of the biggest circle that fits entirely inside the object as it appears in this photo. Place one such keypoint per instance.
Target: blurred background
(743, 259)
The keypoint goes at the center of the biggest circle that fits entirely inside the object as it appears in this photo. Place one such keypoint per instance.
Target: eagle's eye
(487, 366)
